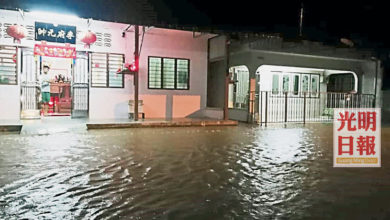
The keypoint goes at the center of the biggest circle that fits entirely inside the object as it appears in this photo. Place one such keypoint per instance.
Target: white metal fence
(304, 107)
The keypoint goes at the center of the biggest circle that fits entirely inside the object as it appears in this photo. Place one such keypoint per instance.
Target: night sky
(364, 22)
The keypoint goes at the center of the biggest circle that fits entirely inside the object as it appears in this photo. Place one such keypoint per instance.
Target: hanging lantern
(17, 32)
(88, 38)
(347, 42)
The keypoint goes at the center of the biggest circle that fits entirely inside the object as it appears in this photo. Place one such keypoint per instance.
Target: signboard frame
(55, 33)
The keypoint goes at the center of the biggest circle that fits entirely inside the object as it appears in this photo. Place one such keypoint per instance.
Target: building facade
(271, 79)
(172, 68)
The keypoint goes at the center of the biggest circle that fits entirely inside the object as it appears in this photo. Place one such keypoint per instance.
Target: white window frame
(107, 84)
(312, 94)
(292, 84)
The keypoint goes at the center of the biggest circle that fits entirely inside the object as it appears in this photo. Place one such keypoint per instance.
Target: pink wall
(154, 105)
(158, 103)
(183, 105)
(112, 102)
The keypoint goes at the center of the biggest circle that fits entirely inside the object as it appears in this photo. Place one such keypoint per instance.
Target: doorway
(68, 89)
(59, 72)
(238, 93)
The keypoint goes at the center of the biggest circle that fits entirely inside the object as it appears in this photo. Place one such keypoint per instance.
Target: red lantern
(17, 32)
(88, 38)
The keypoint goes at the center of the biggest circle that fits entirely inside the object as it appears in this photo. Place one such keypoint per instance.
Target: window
(296, 84)
(168, 73)
(8, 65)
(286, 81)
(115, 63)
(275, 84)
(182, 74)
(104, 70)
(314, 84)
(155, 71)
(305, 83)
(341, 83)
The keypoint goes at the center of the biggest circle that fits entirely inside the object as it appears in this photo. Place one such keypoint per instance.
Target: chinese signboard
(55, 33)
(357, 137)
(54, 51)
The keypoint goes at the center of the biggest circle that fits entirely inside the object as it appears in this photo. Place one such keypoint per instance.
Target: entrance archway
(298, 94)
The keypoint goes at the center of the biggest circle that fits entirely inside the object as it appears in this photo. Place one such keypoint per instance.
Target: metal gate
(275, 106)
(80, 87)
(29, 85)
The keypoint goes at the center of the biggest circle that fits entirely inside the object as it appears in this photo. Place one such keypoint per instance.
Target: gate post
(285, 107)
(266, 108)
(261, 107)
(304, 108)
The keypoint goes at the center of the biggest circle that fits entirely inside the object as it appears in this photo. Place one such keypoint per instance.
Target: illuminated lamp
(133, 67)
(88, 38)
(17, 32)
(128, 68)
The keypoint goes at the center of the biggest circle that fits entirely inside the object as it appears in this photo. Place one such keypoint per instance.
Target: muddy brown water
(244, 172)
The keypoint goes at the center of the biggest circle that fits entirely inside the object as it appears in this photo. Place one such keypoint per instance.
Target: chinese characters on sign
(55, 33)
(54, 51)
(356, 137)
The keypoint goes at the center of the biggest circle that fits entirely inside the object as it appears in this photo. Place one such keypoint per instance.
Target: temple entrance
(56, 73)
(52, 86)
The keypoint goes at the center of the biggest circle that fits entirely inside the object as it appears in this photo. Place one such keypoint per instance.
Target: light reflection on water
(244, 172)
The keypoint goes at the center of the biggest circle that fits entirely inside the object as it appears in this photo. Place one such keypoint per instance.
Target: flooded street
(243, 172)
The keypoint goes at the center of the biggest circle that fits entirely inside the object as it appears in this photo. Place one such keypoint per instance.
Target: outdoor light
(51, 16)
(133, 67)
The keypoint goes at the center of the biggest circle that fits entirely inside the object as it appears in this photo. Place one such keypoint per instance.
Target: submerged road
(243, 172)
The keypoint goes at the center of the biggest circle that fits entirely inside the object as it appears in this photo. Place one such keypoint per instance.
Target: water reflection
(243, 172)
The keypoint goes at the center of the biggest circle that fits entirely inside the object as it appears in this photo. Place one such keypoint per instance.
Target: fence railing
(305, 107)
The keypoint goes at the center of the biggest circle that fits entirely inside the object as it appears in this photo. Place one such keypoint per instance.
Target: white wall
(9, 102)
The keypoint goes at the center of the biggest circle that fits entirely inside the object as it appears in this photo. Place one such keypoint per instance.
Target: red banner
(55, 51)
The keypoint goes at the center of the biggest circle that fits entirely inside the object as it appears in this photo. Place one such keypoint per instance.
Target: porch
(302, 107)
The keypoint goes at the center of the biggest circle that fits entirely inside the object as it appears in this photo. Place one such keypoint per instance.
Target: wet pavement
(243, 172)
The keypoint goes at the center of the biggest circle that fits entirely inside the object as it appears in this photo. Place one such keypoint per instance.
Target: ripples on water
(239, 172)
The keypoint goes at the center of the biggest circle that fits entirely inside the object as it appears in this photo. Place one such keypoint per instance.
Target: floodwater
(244, 172)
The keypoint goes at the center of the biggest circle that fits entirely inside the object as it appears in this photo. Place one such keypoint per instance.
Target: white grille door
(29, 85)
(80, 98)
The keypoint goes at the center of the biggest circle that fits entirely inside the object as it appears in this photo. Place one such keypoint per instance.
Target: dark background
(364, 22)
